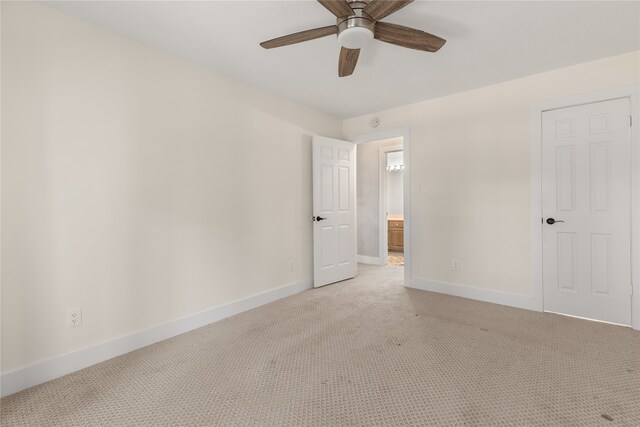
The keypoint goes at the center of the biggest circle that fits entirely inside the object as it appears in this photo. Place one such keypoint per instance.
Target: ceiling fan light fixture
(355, 31)
(355, 37)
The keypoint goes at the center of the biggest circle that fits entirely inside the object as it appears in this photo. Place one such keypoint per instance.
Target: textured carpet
(362, 352)
(395, 258)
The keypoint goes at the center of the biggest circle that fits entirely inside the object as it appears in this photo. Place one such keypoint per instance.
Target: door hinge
(631, 290)
(630, 120)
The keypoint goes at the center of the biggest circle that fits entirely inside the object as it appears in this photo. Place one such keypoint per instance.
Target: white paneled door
(334, 211)
(586, 208)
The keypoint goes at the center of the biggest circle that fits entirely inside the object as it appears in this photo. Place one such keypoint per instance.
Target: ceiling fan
(358, 21)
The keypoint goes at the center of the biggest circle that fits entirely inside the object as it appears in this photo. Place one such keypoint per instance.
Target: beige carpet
(395, 258)
(362, 352)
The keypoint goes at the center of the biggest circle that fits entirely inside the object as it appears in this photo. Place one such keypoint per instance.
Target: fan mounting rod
(355, 30)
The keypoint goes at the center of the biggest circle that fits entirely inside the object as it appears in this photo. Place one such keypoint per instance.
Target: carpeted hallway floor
(362, 352)
(395, 258)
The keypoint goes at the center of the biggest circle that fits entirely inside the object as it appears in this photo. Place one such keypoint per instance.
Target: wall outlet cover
(74, 317)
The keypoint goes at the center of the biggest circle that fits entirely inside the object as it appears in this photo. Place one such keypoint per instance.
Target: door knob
(552, 221)
(318, 218)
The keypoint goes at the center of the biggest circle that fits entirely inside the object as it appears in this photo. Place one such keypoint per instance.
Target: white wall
(394, 183)
(137, 186)
(470, 159)
(395, 199)
(368, 188)
(395, 158)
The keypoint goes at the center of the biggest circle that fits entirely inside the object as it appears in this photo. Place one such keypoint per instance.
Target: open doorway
(393, 197)
(380, 193)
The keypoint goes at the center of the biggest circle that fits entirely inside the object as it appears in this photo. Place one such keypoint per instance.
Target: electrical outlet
(455, 264)
(292, 265)
(74, 317)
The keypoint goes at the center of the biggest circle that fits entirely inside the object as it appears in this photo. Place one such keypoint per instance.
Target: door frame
(536, 110)
(382, 198)
(406, 186)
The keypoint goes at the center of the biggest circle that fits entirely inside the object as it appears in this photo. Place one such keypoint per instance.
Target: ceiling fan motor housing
(356, 30)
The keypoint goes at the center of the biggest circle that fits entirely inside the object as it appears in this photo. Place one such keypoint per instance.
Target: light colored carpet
(395, 258)
(362, 352)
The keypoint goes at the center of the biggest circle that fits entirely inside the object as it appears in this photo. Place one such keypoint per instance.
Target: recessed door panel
(345, 248)
(567, 248)
(326, 153)
(599, 123)
(565, 128)
(600, 263)
(344, 186)
(328, 238)
(326, 190)
(566, 178)
(344, 154)
(600, 179)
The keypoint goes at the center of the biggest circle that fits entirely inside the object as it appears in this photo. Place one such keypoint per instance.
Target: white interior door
(586, 190)
(334, 201)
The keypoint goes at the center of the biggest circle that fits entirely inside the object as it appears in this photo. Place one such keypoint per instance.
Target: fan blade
(378, 9)
(302, 36)
(348, 61)
(339, 8)
(407, 37)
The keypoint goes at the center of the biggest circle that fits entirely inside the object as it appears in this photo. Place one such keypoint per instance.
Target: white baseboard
(480, 294)
(20, 379)
(363, 259)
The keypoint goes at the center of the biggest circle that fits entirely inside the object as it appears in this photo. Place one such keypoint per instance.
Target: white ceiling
(487, 42)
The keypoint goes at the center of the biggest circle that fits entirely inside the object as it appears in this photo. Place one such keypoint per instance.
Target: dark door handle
(552, 221)
(318, 218)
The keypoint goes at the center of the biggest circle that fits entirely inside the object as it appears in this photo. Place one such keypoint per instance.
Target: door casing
(633, 94)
